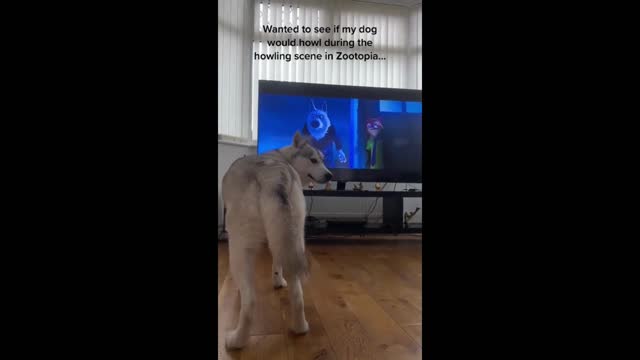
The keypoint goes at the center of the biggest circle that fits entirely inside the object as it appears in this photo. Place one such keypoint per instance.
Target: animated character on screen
(323, 134)
(374, 143)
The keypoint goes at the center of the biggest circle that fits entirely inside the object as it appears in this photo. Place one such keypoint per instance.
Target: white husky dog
(264, 201)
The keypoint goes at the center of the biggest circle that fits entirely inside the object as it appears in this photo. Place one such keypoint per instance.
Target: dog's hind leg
(242, 265)
(296, 298)
(283, 215)
(286, 243)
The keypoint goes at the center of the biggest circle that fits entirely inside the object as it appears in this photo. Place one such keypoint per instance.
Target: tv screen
(366, 134)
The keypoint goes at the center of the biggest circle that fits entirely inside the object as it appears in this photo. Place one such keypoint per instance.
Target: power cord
(373, 207)
(310, 206)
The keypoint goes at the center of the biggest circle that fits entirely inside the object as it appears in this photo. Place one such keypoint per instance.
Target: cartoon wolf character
(318, 127)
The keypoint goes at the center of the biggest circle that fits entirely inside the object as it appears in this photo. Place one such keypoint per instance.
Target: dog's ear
(325, 106)
(298, 140)
(313, 105)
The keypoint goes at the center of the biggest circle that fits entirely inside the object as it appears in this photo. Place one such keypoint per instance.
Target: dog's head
(308, 161)
(318, 121)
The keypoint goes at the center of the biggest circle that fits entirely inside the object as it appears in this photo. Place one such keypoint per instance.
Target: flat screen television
(367, 134)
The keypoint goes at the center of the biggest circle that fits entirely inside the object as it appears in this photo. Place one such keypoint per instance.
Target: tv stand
(392, 205)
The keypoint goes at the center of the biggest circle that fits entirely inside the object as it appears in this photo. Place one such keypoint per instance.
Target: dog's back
(252, 176)
(264, 201)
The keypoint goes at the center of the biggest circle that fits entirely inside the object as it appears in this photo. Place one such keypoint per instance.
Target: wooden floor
(363, 301)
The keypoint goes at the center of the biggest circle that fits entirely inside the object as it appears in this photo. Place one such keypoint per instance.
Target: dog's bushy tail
(284, 221)
(295, 261)
(287, 246)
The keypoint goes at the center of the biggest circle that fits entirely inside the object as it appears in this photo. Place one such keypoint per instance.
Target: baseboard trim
(232, 140)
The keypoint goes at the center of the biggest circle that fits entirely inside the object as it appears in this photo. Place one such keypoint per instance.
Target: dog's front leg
(242, 262)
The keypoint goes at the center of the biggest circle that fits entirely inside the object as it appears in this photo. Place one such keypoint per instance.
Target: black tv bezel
(344, 91)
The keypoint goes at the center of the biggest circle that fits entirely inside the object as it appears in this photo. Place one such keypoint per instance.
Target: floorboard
(362, 301)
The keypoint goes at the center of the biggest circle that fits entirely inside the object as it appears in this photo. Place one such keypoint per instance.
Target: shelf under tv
(392, 214)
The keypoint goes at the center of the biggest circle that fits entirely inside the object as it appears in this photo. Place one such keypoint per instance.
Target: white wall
(322, 207)
(227, 154)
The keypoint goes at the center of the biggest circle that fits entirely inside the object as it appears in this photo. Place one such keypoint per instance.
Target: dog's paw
(234, 341)
(279, 282)
(300, 328)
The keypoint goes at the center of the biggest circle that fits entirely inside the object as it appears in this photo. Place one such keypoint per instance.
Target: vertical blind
(414, 48)
(391, 42)
(235, 36)
(398, 40)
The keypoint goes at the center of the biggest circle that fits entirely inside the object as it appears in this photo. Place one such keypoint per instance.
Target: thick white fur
(264, 202)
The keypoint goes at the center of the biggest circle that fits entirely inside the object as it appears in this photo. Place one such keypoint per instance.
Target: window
(241, 36)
